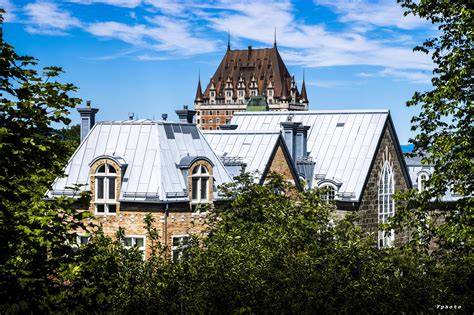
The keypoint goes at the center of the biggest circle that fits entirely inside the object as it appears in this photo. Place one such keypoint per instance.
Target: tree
(267, 253)
(71, 135)
(445, 133)
(35, 234)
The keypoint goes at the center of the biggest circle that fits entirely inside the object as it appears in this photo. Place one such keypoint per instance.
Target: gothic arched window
(386, 204)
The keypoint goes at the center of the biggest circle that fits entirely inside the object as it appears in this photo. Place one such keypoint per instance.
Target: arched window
(328, 193)
(386, 204)
(422, 178)
(200, 180)
(105, 192)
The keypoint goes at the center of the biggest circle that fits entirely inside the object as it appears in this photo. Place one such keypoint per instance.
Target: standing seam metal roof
(152, 151)
(342, 143)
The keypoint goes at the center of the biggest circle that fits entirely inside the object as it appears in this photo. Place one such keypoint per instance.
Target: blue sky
(144, 56)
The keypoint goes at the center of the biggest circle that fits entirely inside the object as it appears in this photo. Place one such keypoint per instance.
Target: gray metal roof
(151, 150)
(415, 168)
(342, 143)
(250, 147)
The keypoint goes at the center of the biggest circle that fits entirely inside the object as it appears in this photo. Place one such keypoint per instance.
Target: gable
(280, 162)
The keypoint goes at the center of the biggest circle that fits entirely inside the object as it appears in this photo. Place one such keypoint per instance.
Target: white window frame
(134, 243)
(177, 250)
(106, 201)
(421, 179)
(199, 176)
(329, 190)
(386, 204)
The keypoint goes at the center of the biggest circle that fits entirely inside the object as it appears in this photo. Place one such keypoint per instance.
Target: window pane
(100, 188)
(112, 208)
(195, 188)
(203, 169)
(111, 169)
(139, 242)
(111, 188)
(127, 241)
(100, 208)
(204, 188)
(101, 169)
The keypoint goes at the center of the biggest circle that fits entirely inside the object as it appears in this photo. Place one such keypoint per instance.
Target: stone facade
(368, 206)
(279, 163)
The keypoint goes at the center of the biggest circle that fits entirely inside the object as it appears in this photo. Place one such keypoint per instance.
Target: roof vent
(340, 125)
(130, 115)
(164, 116)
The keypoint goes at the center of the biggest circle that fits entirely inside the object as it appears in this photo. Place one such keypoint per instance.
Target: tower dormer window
(105, 193)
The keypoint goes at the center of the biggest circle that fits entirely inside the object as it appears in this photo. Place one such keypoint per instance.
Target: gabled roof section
(152, 150)
(265, 64)
(342, 143)
(253, 148)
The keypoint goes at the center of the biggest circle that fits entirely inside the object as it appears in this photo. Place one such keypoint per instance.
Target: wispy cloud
(378, 13)
(374, 33)
(47, 18)
(400, 75)
(10, 10)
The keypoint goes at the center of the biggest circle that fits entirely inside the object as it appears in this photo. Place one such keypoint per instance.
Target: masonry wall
(368, 207)
(279, 164)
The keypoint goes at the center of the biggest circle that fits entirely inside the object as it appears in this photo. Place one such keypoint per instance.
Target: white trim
(178, 248)
(385, 203)
(141, 248)
(419, 180)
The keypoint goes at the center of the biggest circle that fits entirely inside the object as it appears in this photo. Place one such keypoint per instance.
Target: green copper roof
(257, 104)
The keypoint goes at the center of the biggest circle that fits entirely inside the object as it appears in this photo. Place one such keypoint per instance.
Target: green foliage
(34, 233)
(71, 136)
(445, 124)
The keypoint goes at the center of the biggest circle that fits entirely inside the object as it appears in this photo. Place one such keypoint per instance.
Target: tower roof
(198, 97)
(264, 64)
(303, 95)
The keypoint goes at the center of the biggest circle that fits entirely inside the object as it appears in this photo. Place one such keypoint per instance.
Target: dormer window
(105, 189)
(200, 184)
(422, 178)
(328, 193)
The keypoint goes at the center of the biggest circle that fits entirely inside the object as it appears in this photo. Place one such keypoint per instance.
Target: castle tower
(242, 75)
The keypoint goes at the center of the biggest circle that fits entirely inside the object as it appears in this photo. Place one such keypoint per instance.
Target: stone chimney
(87, 119)
(186, 115)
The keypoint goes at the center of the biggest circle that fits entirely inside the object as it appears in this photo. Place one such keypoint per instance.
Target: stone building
(355, 155)
(172, 170)
(166, 169)
(243, 77)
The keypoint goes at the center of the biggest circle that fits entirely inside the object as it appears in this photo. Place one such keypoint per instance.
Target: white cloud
(10, 9)
(118, 3)
(411, 76)
(380, 13)
(48, 18)
(163, 34)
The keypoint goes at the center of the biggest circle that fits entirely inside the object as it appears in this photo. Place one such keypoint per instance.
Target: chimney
(186, 115)
(87, 119)
(164, 116)
(296, 138)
